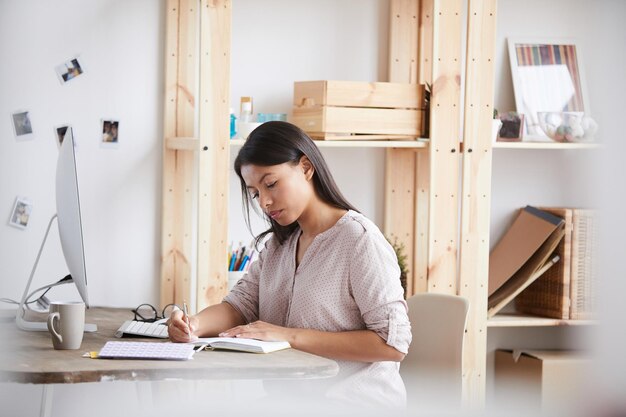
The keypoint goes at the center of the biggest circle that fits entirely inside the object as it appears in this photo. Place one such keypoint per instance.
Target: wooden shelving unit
(446, 253)
(422, 189)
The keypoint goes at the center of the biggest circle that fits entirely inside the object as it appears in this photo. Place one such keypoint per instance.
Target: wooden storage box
(359, 110)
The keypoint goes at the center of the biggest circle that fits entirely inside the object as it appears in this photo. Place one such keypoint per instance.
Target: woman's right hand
(178, 330)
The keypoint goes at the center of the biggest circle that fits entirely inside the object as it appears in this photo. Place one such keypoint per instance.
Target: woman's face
(282, 191)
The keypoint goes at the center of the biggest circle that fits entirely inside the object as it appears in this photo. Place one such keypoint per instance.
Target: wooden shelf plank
(519, 320)
(416, 144)
(545, 145)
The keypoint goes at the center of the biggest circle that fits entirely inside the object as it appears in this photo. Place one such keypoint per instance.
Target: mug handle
(55, 334)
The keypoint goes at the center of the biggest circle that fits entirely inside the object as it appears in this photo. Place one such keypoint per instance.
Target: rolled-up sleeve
(375, 286)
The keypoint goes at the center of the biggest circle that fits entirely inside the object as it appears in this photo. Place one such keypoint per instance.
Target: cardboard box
(358, 110)
(546, 379)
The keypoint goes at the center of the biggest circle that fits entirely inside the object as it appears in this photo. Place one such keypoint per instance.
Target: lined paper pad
(147, 350)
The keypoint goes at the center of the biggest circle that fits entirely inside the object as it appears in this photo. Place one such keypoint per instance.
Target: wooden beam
(399, 223)
(214, 154)
(168, 231)
(422, 187)
(476, 192)
(178, 166)
(422, 172)
(400, 204)
(425, 36)
(444, 146)
(403, 15)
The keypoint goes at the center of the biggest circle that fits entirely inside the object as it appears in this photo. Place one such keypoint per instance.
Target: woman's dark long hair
(275, 143)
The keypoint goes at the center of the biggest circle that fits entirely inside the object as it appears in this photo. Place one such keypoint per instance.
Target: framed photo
(69, 70)
(60, 132)
(22, 126)
(109, 133)
(512, 127)
(547, 76)
(20, 215)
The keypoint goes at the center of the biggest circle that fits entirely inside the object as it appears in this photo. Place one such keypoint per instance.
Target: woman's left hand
(260, 330)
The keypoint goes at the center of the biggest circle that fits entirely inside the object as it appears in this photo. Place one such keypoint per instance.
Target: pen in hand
(187, 319)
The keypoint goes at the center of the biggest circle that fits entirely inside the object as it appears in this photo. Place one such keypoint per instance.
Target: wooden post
(178, 165)
(400, 164)
(425, 36)
(422, 157)
(444, 146)
(214, 151)
(399, 223)
(476, 192)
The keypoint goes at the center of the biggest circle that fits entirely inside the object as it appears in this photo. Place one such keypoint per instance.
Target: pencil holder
(233, 277)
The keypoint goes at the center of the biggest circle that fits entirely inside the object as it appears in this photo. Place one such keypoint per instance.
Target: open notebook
(242, 344)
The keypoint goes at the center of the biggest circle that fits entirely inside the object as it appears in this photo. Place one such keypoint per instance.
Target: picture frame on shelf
(548, 75)
(512, 129)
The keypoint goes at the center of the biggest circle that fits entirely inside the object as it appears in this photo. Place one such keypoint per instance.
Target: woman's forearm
(357, 345)
(217, 318)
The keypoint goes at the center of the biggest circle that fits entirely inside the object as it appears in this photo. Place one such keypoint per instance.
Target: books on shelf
(567, 291)
(524, 253)
(242, 344)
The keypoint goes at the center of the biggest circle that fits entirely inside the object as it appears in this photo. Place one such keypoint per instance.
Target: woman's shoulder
(354, 224)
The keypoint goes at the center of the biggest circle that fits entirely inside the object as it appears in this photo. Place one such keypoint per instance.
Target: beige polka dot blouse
(348, 279)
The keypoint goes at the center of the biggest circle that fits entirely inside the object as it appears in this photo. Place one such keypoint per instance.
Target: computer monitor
(70, 231)
(68, 215)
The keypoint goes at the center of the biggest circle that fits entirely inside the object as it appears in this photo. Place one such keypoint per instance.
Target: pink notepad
(147, 350)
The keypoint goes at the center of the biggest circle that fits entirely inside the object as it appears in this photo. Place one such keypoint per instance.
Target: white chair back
(432, 369)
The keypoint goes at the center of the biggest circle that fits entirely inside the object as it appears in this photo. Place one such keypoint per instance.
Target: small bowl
(567, 126)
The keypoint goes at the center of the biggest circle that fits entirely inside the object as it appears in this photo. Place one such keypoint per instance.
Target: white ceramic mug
(66, 323)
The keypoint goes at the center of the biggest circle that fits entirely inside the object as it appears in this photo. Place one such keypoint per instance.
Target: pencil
(187, 318)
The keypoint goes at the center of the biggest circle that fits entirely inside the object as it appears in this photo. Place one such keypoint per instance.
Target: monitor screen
(68, 215)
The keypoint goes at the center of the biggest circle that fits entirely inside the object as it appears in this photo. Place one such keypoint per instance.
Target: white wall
(121, 47)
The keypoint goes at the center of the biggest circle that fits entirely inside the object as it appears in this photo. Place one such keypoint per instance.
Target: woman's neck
(318, 218)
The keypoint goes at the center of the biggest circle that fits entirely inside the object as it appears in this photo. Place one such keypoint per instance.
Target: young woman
(327, 281)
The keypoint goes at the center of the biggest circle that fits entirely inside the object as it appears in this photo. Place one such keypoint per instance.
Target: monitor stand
(24, 324)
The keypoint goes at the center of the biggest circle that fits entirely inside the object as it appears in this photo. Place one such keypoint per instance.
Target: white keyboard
(138, 328)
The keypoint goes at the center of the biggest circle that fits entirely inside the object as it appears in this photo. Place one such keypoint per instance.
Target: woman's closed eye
(255, 194)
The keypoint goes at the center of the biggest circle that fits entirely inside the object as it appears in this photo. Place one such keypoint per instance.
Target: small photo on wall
(22, 126)
(110, 129)
(21, 213)
(69, 70)
(59, 134)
